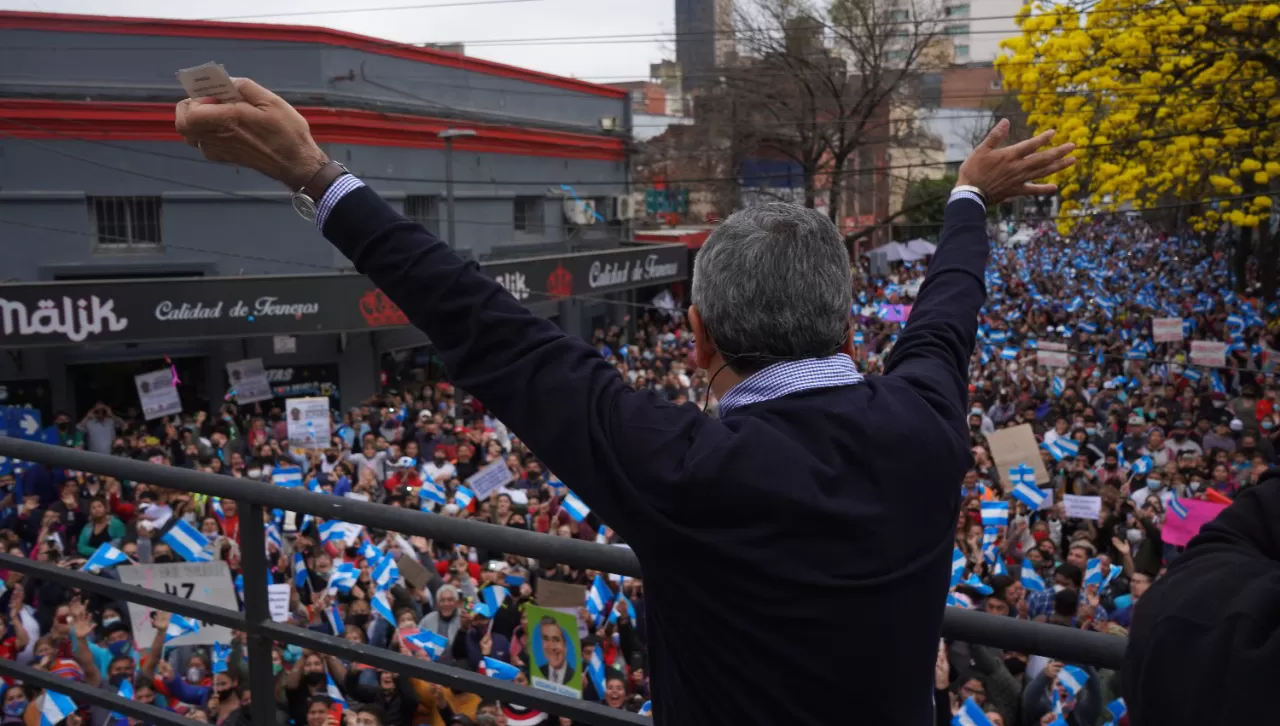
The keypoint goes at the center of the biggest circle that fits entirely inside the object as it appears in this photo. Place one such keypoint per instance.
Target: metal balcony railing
(254, 498)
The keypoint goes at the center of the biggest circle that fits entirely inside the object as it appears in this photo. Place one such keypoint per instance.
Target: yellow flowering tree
(1169, 102)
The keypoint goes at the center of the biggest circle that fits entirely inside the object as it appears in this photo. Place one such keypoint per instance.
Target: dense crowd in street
(1126, 420)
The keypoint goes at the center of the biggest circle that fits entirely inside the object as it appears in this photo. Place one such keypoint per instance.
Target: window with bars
(122, 223)
(529, 214)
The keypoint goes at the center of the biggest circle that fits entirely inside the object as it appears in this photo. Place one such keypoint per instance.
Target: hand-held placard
(209, 81)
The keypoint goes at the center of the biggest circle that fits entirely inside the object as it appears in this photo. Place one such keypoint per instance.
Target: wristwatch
(307, 198)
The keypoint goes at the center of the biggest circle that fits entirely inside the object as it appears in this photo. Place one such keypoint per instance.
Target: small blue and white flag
(432, 643)
(494, 596)
(1031, 579)
(1192, 374)
(959, 600)
(602, 535)
(274, 538)
(1072, 678)
(343, 578)
(300, 574)
(382, 607)
(1117, 709)
(1093, 572)
(1009, 354)
(287, 476)
(977, 585)
(599, 596)
(595, 671)
(431, 492)
(331, 688)
(1066, 447)
(464, 497)
(990, 552)
(107, 555)
(125, 691)
(1143, 465)
(335, 620)
(188, 543)
(631, 611)
(495, 668)
(220, 655)
(386, 574)
(957, 566)
(180, 626)
(370, 552)
(1177, 507)
(336, 531)
(646, 709)
(1025, 489)
(55, 708)
(970, 714)
(576, 508)
(995, 514)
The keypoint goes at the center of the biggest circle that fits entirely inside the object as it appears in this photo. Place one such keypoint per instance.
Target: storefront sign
(69, 313)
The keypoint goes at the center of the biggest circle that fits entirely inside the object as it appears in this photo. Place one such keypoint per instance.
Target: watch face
(303, 205)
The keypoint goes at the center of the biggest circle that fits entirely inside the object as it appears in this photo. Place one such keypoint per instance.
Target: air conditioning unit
(621, 208)
(580, 212)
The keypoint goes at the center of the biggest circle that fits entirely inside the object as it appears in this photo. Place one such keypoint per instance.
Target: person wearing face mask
(302, 683)
(391, 695)
(15, 703)
(1180, 442)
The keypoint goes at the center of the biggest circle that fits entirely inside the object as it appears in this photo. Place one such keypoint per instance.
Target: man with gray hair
(820, 503)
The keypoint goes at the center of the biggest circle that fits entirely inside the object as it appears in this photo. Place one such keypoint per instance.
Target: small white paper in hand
(209, 81)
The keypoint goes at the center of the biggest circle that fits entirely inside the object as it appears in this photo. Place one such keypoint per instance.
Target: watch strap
(324, 178)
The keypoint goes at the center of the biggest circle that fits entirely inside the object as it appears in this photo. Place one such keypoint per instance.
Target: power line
(546, 183)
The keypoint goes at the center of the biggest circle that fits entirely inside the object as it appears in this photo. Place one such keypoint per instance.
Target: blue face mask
(1267, 425)
(1091, 430)
(15, 708)
(121, 647)
(1154, 483)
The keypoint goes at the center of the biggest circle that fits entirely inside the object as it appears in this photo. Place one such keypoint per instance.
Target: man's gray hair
(772, 282)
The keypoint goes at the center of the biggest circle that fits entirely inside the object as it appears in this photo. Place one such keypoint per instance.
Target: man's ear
(847, 347)
(704, 350)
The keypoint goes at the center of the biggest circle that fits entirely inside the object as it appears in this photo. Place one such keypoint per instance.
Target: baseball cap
(406, 462)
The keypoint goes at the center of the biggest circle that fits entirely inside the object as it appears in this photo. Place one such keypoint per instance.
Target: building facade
(105, 212)
(704, 41)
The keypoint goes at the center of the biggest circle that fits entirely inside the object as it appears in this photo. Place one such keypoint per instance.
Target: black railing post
(257, 611)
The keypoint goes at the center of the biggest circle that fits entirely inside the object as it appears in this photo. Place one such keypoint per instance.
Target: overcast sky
(604, 61)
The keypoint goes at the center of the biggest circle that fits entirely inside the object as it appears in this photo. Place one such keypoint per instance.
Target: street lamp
(448, 135)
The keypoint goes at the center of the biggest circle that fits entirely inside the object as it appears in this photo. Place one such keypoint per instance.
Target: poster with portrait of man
(556, 664)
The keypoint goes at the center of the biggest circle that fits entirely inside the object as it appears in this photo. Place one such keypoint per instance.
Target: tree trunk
(1267, 257)
(810, 190)
(1244, 247)
(837, 191)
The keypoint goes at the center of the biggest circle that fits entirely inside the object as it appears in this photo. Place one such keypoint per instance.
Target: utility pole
(448, 135)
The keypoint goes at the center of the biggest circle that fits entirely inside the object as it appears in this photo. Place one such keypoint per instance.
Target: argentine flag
(188, 543)
(274, 538)
(959, 600)
(978, 585)
(1117, 709)
(995, 514)
(1031, 579)
(494, 596)
(300, 573)
(1072, 678)
(1029, 494)
(106, 556)
(431, 492)
(1143, 465)
(1177, 507)
(957, 566)
(386, 573)
(646, 709)
(598, 598)
(595, 671)
(125, 691)
(576, 508)
(54, 708)
(220, 654)
(382, 607)
(343, 578)
(336, 531)
(433, 644)
(288, 477)
(495, 668)
(180, 626)
(464, 497)
(331, 688)
(970, 714)
(370, 551)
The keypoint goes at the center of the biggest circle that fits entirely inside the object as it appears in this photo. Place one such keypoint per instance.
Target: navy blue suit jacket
(796, 552)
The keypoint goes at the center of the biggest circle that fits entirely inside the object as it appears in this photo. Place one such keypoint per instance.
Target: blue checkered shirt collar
(788, 377)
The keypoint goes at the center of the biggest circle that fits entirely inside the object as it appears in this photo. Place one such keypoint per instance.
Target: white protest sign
(309, 423)
(489, 479)
(1082, 507)
(156, 392)
(1052, 355)
(249, 382)
(1212, 353)
(208, 582)
(278, 602)
(1166, 330)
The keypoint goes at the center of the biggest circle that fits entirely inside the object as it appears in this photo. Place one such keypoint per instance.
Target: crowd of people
(1127, 420)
